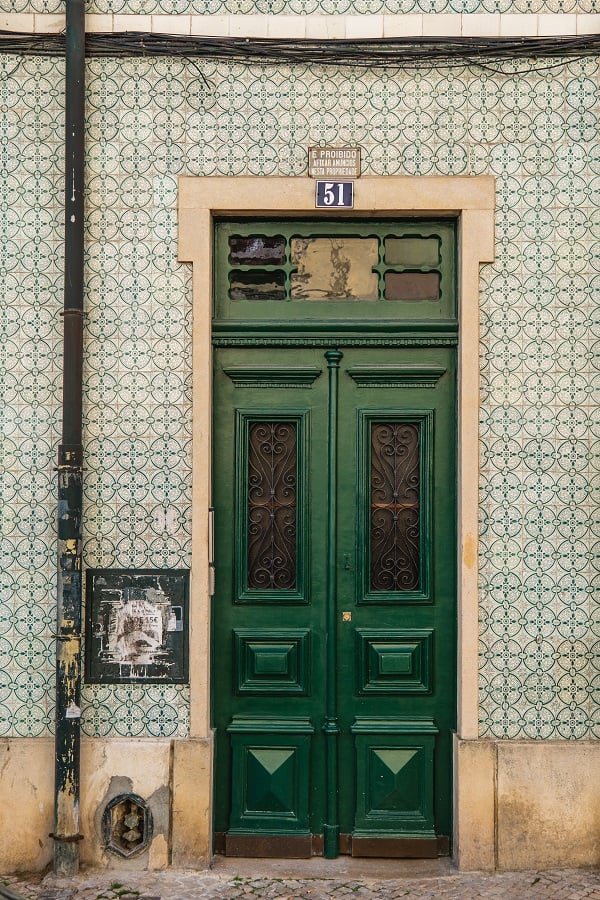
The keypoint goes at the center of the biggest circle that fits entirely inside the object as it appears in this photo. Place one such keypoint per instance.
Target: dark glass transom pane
(272, 499)
(395, 501)
(257, 285)
(257, 250)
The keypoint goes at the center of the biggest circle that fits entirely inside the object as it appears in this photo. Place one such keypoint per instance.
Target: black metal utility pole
(70, 457)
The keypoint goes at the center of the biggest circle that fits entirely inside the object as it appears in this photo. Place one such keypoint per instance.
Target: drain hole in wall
(127, 825)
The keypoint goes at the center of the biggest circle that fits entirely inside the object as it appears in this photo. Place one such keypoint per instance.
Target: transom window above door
(324, 269)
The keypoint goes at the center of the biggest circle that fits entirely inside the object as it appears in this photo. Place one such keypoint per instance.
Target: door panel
(397, 501)
(334, 611)
(268, 646)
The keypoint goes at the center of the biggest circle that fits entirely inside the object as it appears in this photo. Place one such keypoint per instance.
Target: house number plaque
(335, 195)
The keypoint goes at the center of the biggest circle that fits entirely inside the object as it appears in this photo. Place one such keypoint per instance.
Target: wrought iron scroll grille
(395, 506)
(272, 505)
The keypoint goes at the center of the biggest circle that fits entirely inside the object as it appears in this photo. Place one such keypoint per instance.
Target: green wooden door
(333, 654)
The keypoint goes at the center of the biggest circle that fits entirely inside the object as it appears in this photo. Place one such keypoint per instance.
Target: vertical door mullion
(331, 829)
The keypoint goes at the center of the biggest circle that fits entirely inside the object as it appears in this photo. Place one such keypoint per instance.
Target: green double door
(333, 654)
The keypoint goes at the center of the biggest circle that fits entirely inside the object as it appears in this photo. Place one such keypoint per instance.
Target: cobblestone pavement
(570, 884)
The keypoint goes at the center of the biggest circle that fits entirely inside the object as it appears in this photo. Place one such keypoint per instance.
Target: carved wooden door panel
(396, 580)
(333, 654)
(269, 639)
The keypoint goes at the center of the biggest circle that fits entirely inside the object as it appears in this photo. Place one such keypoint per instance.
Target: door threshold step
(342, 867)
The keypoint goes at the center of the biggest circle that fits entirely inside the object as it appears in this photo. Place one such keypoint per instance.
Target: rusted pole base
(66, 859)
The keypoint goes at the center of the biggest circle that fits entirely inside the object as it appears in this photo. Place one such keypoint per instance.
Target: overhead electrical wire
(440, 52)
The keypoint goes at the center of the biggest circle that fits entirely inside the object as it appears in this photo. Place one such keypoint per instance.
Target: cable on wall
(425, 52)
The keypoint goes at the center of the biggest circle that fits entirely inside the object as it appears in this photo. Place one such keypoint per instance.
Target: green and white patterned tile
(151, 120)
(305, 7)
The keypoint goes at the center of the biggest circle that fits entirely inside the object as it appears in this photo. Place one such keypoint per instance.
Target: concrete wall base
(527, 804)
(173, 777)
(518, 804)
(26, 803)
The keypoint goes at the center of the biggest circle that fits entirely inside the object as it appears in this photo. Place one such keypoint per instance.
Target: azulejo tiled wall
(305, 7)
(30, 351)
(150, 120)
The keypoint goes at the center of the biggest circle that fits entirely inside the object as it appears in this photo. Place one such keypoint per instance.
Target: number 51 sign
(335, 194)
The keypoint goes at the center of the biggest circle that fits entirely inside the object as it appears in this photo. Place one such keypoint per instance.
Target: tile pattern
(335, 27)
(138, 365)
(305, 7)
(148, 121)
(30, 353)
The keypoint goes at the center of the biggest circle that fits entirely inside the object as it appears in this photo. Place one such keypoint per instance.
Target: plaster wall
(519, 805)
(26, 798)
(526, 805)
(173, 777)
(111, 768)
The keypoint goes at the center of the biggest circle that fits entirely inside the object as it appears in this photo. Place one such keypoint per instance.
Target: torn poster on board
(137, 625)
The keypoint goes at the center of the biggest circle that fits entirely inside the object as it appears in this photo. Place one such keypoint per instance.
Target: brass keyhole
(346, 617)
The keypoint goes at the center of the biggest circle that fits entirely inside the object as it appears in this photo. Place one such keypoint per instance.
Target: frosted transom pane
(334, 268)
(414, 251)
